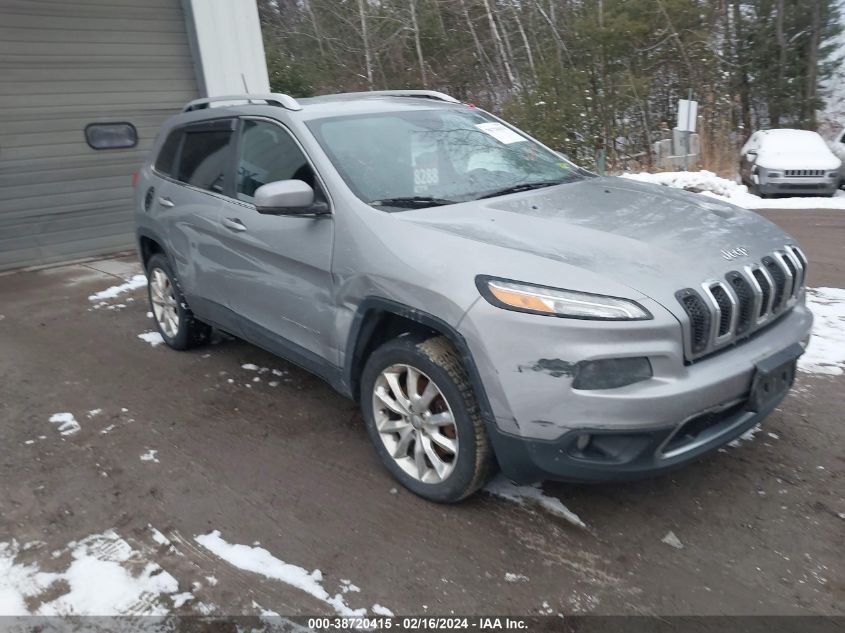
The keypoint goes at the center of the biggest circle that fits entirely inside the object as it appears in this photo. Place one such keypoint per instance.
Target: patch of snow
(259, 561)
(265, 613)
(158, 537)
(106, 577)
(28, 442)
(150, 456)
(380, 610)
(505, 489)
(250, 367)
(153, 338)
(181, 598)
(745, 437)
(672, 541)
(67, 423)
(107, 429)
(826, 352)
(709, 184)
(211, 580)
(137, 281)
(347, 585)
(94, 412)
(509, 577)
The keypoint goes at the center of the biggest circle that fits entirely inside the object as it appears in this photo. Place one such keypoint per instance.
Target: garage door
(66, 64)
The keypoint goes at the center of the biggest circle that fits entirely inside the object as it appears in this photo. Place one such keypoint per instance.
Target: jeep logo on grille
(735, 253)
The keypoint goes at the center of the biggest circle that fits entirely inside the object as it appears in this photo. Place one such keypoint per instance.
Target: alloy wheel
(415, 423)
(165, 304)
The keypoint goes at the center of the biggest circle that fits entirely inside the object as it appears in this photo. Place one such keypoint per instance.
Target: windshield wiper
(413, 202)
(525, 186)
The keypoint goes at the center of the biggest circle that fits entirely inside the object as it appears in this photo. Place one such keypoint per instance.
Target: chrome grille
(722, 312)
(804, 173)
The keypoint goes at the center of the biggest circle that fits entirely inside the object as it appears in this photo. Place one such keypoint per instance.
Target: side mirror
(751, 155)
(288, 197)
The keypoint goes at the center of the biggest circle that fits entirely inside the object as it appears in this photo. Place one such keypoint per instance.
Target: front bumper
(538, 415)
(634, 453)
(798, 186)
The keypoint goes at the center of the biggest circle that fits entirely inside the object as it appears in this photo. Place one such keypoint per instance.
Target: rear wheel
(174, 320)
(423, 419)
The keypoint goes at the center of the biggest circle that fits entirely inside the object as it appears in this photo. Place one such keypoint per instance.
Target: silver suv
(488, 303)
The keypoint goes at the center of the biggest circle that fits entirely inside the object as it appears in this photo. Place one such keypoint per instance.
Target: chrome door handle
(233, 224)
(165, 202)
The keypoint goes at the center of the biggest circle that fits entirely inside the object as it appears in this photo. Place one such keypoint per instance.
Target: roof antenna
(246, 90)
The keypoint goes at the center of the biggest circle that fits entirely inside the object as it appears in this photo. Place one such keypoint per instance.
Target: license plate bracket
(773, 377)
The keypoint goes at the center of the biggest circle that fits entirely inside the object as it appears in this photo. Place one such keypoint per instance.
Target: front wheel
(422, 416)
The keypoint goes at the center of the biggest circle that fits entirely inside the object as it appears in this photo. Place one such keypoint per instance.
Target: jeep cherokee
(486, 302)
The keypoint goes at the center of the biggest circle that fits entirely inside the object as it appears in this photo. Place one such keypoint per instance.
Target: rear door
(187, 205)
(277, 269)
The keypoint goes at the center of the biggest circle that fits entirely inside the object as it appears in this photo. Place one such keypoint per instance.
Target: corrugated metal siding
(65, 64)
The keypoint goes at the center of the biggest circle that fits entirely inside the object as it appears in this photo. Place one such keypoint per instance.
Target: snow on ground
(511, 577)
(524, 495)
(745, 437)
(259, 561)
(153, 338)
(106, 576)
(150, 456)
(709, 184)
(67, 423)
(137, 281)
(380, 610)
(826, 352)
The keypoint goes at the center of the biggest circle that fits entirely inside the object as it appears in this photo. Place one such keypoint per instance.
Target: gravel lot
(171, 447)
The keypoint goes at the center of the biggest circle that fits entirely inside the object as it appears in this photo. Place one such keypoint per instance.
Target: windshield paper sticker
(500, 132)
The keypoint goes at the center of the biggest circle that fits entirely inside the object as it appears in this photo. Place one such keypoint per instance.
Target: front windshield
(435, 157)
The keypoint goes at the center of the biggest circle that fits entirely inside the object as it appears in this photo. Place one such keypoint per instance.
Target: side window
(268, 153)
(166, 160)
(205, 156)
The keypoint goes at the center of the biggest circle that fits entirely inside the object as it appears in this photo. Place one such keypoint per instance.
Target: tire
(177, 325)
(755, 190)
(470, 463)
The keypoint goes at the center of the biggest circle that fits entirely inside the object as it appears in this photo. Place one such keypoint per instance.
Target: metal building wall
(65, 64)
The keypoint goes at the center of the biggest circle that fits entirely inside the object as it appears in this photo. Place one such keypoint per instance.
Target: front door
(278, 268)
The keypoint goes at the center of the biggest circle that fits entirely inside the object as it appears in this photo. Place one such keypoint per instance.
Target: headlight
(514, 295)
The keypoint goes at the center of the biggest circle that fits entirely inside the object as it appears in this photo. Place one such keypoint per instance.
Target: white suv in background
(789, 162)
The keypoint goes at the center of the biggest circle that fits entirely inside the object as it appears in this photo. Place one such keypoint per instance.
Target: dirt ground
(284, 462)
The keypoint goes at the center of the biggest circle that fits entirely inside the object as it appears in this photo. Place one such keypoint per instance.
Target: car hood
(650, 238)
(798, 160)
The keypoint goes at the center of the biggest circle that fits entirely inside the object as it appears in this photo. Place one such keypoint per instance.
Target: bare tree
(412, 5)
(365, 40)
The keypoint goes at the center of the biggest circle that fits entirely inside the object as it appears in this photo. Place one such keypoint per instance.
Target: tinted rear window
(166, 161)
(205, 159)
